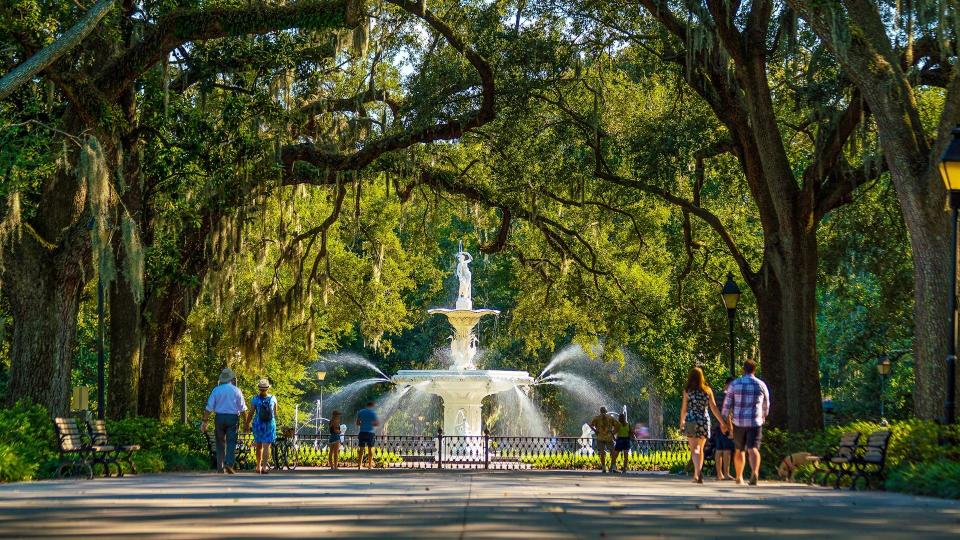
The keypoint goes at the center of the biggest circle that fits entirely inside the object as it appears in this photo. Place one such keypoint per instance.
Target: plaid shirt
(749, 401)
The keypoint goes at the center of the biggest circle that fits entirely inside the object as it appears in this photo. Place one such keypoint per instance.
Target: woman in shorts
(333, 446)
(622, 444)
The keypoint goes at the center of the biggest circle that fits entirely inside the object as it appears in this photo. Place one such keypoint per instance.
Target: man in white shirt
(227, 404)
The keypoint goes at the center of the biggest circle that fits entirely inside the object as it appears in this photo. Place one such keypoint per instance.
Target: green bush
(939, 478)
(149, 461)
(28, 450)
(914, 450)
(637, 461)
(164, 446)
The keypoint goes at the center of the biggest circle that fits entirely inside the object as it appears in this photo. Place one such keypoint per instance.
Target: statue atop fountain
(463, 387)
(464, 293)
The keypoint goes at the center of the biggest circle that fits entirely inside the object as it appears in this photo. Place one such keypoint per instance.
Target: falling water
(354, 359)
(580, 388)
(520, 415)
(409, 410)
(567, 354)
(346, 399)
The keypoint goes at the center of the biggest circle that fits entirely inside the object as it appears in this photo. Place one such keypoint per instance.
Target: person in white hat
(263, 416)
(226, 403)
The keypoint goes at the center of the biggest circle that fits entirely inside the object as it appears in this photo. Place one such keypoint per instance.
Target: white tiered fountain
(462, 387)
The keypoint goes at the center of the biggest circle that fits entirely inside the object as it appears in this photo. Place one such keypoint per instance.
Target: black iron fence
(470, 452)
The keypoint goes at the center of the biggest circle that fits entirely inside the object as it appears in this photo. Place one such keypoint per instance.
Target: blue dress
(264, 432)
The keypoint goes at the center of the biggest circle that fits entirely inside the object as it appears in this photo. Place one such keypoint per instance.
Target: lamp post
(321, 375)
(101, 400)
(950, 172)
(883, 369)
(183, 389)
(731, 297)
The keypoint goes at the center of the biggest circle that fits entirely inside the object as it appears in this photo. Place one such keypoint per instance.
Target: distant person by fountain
(622, 445)
(334, 442)
(605, 429)
(367, 420)
(464, 294)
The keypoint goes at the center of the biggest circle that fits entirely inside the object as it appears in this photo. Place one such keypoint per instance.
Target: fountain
(462, 387)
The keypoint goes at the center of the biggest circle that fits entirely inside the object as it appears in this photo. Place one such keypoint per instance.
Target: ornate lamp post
(731, 297)
(950, 172)
(883, 369)
(321, 375)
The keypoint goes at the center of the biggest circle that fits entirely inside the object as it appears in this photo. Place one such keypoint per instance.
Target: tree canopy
(262, 184)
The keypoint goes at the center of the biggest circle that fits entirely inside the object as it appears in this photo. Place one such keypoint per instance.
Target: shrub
(164, 446)
(939, 478)
(149, 461)
(28, 450)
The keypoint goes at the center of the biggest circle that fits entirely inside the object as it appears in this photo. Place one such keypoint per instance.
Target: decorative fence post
(486, 448)
(439, 448)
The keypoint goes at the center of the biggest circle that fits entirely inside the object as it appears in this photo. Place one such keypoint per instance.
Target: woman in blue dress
(263, 416)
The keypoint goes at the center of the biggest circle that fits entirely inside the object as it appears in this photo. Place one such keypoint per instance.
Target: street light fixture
(731, 297)
(883, 368)
(950, 172)
(321, 375)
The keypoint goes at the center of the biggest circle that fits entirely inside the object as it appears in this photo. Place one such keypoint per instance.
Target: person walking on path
(226, 403)
(722, 444)
(263, 417)
(748, 402)
(695, 420)
(604, 428)
(333, 443)
(622, 444)
(367, 420)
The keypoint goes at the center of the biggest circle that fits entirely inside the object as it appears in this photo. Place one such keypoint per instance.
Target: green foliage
(939, 478)
(164, 446)
(27, 449)
(916, 448)
(638, 461)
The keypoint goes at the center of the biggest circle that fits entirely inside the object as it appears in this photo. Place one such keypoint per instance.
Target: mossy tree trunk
(856, 34)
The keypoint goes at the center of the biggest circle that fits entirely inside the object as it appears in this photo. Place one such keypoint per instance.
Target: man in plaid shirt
(747, 404)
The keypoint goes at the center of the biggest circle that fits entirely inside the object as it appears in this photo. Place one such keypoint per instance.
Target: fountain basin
(462, 392)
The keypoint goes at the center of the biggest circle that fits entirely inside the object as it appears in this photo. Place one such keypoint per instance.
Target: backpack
(265, 409)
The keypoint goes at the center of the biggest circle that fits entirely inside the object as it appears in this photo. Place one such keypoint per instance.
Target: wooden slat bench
(871, 460)
(122, 452)
(76, 454)
(839, 462)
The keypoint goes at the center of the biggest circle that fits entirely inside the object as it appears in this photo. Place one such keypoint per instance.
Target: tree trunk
(930, 243)
(162, 331)
(126, 346)
(43, 288)
(787, 308)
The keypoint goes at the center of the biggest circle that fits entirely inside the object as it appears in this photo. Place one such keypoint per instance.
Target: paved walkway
(449, 504)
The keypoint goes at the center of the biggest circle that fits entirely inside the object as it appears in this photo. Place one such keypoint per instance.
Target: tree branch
(186, 25)
(53, 52)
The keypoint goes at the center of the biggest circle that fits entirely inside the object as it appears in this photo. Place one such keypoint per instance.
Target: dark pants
(226, 437)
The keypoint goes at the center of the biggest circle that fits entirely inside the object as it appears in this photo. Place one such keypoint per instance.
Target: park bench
(838, 462)
(871, 459)
(241, 456)
(123, 453)
(76, 454)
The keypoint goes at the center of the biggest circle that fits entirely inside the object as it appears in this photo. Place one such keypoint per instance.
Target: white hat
(227, 375)
(263, 383)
